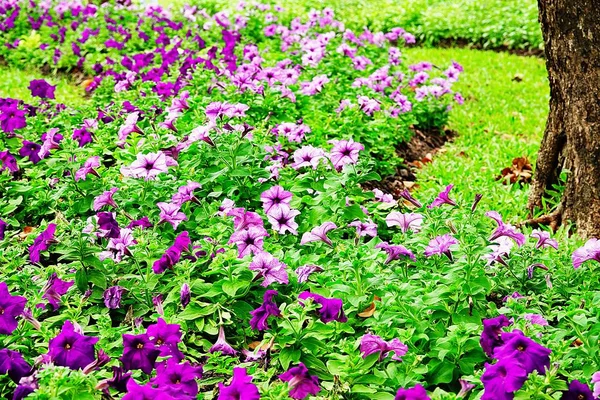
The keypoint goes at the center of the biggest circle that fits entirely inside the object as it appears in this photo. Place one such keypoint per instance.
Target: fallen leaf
(520, 171)
(28, 230)
(370, 310)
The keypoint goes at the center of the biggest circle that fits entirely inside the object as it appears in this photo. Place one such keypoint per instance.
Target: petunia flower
(185, 193)
(136, 391)
(221, 345)
(166, 338)
(82, 135)
(543, 239)
(500, 250)
(112, 297)
(502, 379)
(11, 118)
(405, 222)
(405, 194)
(443, 198)
(30, 150)
(51, 140)
(13, 364)
(171, 213)
(149, 166)
(319, 233)
(249, 241)
(178, 380)
(173, 254)
(490, 336)
(72, 349)
(185, 295)
(139, 353)
(589, 251)
(261, 314)
(344, 152)
(536, 319)
(518, 347)
(88, 168)
(42, 89)
(10, 308)
(441, 245)
(368, 228)
(128, 127)
(370, 344)
(240, 388)
(415, 393)
(269, 268)
(305, 271)
(117, 248)
(596, 383)
(105, 199)
(3, 226)
(108, 227)
(506, 230)
(53, 291)
(275, 198)
(27, 385)
(394, 252)
(308, 156)
(331, 308)
(118, 381)
(300, 382)
(578, 391)
(8, 161)
(143, 222)
(465, 387)
(282, 220)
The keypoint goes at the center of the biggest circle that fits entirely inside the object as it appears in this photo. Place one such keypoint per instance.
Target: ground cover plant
(198, 227)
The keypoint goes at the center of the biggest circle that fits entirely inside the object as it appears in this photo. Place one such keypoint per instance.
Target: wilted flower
(185, 193)
(185, 295)
(543, 239)
(262, 313)
(405, 194)
(305, 271)
(331, 308)
(300, 382)
(465, 387)
(8, 161)
(112, 297)
(370, 344)
(536, 319)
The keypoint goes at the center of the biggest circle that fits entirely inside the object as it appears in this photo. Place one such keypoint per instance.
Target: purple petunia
(368, 228)
(261, 314)
(589, 251)
(13, 364)
(578, 391)
(177, 379)
(331, 308)
(441, 245)
(8, 161)
(415, 393)
(305, 271)
(300, 382)
(221, 345)
(490, 336)
(71, 348)
(11, 118)
(443, 198)
(394, 252)
(173, 254)
(319, 233)
(31, 150)
(54, 290)
(105, 199)
(149, 166)
(344, 152)
(88, 168)
(505, 230)
(543, 239)
(139, 353)
(170, 213)
(405, 222)
(269, 268)
(240, 388)
(10, 308)
(371, 344)
(502, 379)
(518, 347)
(112, 297)
(166, 338)
(282, 220)
(249, 241)
(42, 243)
(42, 89)
(275, 198)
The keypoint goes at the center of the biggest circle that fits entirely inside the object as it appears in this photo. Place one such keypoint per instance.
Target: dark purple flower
(31, 150)
(3, 226)
(112, 297)
(54, 289)
(143, 222)
(98, 363)
(443, 198)
(139, 353)
(166, 337)
(262, 313)
(8, 161)
(300, 382)
(502, 379)
(331, 308)
(415, 393)
(118, 381)
(478, 198)
(42, 89)
(172, 254)
(519, 348)
(13, 364)
(394, 252)
(578, 391)
(27, 385)
(72, 349)
(178, 380)
(405, 194)
(10, 308)
(185, 295)
(83, 136)
(370, 344)
(11, 118)
(241, 387)
(222, 345)
(108, 225)
(490, 336)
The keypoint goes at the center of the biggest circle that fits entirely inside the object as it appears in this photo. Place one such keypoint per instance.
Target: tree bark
(571, 30)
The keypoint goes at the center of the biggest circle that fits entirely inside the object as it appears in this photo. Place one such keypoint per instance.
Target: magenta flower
(243, 219)
(519, 348)
(249, 241)
(185, 193)
(166, 338)
(406, 222)
(148, 166)
(505, 229)
(308, 156)
(269, 268)
(543, 239)
(173, 254)
(443, 198)
(3, 226)
(179, 380)
(8, 161)
(105, 199)
(72, 349)
(139, 353)
(282, 220)
(262, 313)
(415, 393)
(331, 308)
(305, 271)
(368, 228)
(88, 168)
(10, 308)
(13, 364)
(441, 245)
(589, 251)
(143, 222)
(137, 392)
(370, 344)
(490, 336)
(42, 89)
(11, 118)
(502, 379)
(275, 198)
(216, 109)
(405, 194)
(112, 297)
(344, 152)
(300, 382)
(394, 252)
(170, 213)
(53, 291)
(241, 387)
(41, 243)
(536, 319)
(319, 233)
(221, 345)
(51, 140)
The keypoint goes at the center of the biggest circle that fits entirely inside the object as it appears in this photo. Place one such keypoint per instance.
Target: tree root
(553, 220)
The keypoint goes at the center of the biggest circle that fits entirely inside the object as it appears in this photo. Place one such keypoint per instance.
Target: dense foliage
(201, 217)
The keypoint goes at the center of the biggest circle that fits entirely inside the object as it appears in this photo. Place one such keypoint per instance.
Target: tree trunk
(571, 30)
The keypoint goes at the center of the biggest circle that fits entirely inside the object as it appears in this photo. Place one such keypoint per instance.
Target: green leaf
(81, 279)
(194, 310)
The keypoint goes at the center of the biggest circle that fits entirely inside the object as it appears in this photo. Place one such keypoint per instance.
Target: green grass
(15, 82)
(500, 120)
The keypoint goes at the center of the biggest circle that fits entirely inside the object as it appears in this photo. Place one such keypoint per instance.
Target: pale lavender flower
(514, 296)
(129, 127)
(465, 387)
(216, 109)
(308, 156)
(394, 252)
(505, 229)
(105, 199)
(344, 152)
(543, 239)
(368, 228)
(596, 383)
(441, 245)
(148, 166)
(282, 220)
(500, 249)
(249, 241)
(185, 193)
(319, 233)
(274, 198)
(88, 168)
(536, 319)
(406, 222)
(269, 268)
(222, 345)
(118, 247)
(589, 251)
(226, 206)
(443, 198)
(305, 271)
(383, 197)
(170, 213)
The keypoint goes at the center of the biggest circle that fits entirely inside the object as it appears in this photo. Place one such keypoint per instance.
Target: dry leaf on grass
(520, 171)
